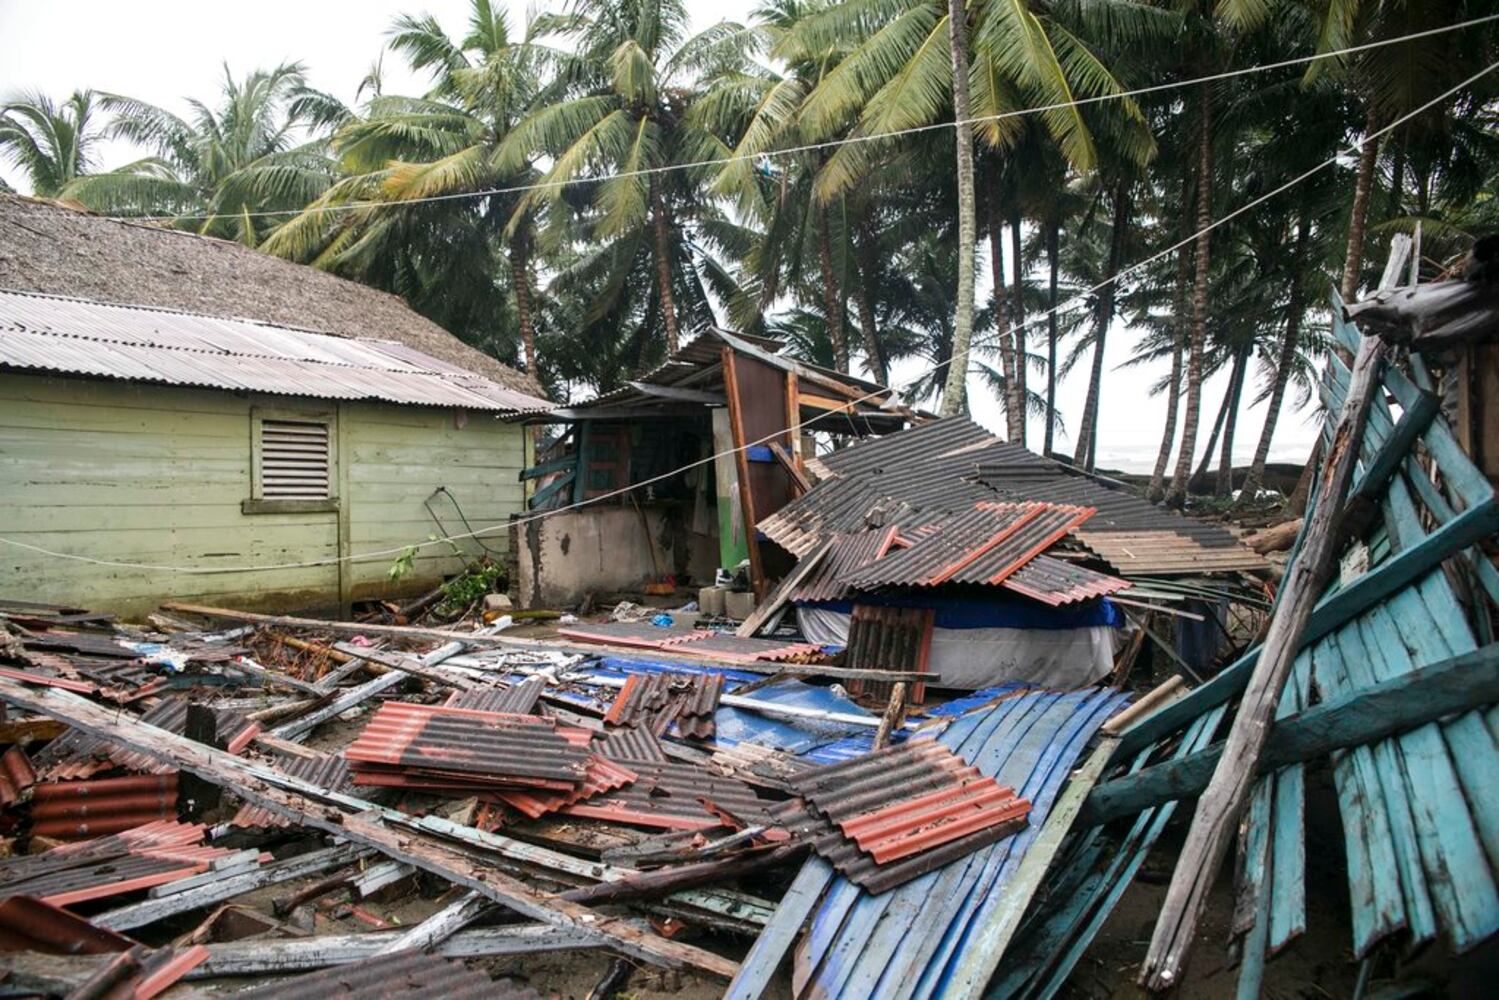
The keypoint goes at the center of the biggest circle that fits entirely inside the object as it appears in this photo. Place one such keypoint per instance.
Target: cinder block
(739, 604)
(710, 601)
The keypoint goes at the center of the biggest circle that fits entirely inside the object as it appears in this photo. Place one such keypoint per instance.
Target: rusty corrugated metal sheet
(642, 701)
(408, 975)
(515, 699)
(668, 795)
(149, 855)
(432, 746)
(631, 743)
(16, 775)
(1048, 525)
(735, 649)
(1057, 582)
(141, 973)
(889, 638)
(603, 776)
(695, 716)
(850, 552)
(80, 337)
(640, 634)
(78, 810)
(329, 771)
(886, 817)
(28, 924)
(955, 545)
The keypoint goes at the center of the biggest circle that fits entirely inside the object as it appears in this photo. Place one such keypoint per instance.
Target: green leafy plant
(459, 593)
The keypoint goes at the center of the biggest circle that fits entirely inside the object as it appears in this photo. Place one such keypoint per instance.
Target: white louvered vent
(294, 460)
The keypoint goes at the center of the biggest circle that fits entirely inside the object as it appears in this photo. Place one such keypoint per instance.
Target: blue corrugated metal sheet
(904, 943)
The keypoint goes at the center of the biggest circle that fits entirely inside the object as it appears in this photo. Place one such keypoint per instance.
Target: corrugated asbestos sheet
(47, 333)
(516, 699)
(603, 776)
(78, 810)
(905, 943)
(149, 855)
(668, 795)
(918, 804)
(434, 747)
(642, 634)
(28, 924)
(1056, 582)
(949, 465)
(16, 774)
(848, 554)
(329, 771)
(407, 974)
(657, 701)
(734, 649)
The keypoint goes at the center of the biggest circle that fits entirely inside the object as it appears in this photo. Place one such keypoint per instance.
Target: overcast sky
(166, 50)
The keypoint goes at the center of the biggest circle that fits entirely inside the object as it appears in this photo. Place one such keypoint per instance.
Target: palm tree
(955, 395)
(630, 87)
(221, 168)
(52, 143)
(397, 219)
(897, 74)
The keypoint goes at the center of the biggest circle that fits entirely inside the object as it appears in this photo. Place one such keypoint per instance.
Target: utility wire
(1079, 299)
(827, 144)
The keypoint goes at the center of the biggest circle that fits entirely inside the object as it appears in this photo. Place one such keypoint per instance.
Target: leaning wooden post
(1218, 811)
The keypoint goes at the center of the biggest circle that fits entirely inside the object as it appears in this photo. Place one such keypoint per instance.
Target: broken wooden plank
(415, 666)
(309, 805)
(299, 728)
(148, 911)
(1222, 804)
(259, 958)
(778, 597)
(1384, 709)
(439, 926)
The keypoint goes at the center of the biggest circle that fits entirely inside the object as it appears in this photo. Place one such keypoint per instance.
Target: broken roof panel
(949, 465)
(849, 553)
(406, 974)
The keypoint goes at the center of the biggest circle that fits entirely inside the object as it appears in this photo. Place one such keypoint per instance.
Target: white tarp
(972, 658)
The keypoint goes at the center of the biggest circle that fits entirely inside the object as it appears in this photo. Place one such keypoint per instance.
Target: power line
(1079, 299)
(827, 144)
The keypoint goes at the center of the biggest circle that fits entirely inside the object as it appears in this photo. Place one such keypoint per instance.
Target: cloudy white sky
(166, 50)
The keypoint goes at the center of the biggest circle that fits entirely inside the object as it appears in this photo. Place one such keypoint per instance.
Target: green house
(183, 418)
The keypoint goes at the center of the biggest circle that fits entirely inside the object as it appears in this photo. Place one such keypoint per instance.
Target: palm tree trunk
(1017, 303)
(1294, 310)
(955, 392)
(1176, 496)
(1195, 483)
(520, 278)
(1225, 483)
(1087, 434)
(1053, 265)
(1157, 487)
(1006, 345)
(832, 301)
(663, 271)
(868, 250)
(1353, 262)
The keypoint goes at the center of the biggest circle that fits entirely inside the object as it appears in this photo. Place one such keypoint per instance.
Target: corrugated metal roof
(603, 776)
(735, 649)
(656, 701)
(148, 855)
(46, 333)
(442, 747)
(641, 634)
(1057, 582)
(849, 553)
(631, 743)
(407, 974)
(668, 795)
(951, 464)
(78, 755)
(889, 638)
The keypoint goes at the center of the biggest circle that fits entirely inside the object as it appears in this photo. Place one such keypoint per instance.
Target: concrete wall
(603, 549)
(155, 475)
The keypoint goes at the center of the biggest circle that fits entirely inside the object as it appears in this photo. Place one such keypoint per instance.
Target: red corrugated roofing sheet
(75, 810)
(849, 552)
(325, 770)
(407, 975)
(28, 924)
(149, 855)
(16, 775)
(603, 776)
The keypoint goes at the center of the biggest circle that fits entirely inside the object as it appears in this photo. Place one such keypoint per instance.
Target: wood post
(1218, 812)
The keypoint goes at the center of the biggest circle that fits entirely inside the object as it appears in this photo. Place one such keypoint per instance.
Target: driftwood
(1276, 539)
(1218, 811)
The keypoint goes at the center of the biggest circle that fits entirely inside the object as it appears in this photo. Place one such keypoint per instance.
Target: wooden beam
(803, 484)
(741, 464)
(680, 393)
(792, 580)
(1222, 804)
(1363, 502)
(1409, 701)
(439, 926)
(308, 805)
(278, 957)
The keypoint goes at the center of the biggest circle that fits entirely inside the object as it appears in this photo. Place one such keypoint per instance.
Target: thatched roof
(47, 247)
